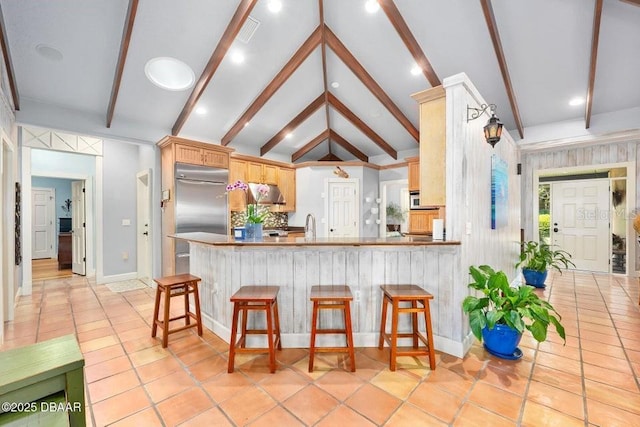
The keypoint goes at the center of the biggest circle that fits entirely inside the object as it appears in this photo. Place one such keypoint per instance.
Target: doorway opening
(143, 225)
(8, 258)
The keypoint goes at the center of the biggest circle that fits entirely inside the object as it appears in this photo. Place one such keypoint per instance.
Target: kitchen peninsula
(296, 264)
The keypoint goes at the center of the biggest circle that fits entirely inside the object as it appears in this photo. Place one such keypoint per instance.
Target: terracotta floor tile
(208, 368)
(323, 403)
(102, 355)
(367, 368)
(158, 369)
(98, 343)
(556, 398)
(212, 417)
(496, 400)
(247, 406)
(454, 382)
(604, 415)
(95, 333)
(631, 344)
(132, 334)
(344, 416)
(609, 350)
(147, 418)
(629, 334)
(436, 401)
(120, 406)
(374, 403)
(410, 416)
(340, 384)
(560, 350)
(93, 325)
(284, 385)
(224, 386)
(169, 385)
(106, 369)
(184, 406)
(473, 415)
(138, 344)
(197, 353)
(276, 416)
(113, 385)
(559, 379)
(613, 396)
(622, 380)
(560, 363)
(320, 368)
(539, 415)
(148, 355)
(399, 384)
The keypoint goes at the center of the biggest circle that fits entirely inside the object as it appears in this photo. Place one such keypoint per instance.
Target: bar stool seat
(415, 295)
(331, 298)
(174, 286)
(255, 298)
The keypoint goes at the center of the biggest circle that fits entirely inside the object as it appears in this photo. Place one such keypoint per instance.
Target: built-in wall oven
(414, 201)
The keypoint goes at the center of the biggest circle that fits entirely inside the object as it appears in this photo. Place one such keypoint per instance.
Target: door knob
(146, 233)
(331, 230)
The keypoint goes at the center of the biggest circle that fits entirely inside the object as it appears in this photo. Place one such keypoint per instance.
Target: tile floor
(131, 381)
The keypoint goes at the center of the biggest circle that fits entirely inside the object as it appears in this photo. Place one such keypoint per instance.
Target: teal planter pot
(534, 278)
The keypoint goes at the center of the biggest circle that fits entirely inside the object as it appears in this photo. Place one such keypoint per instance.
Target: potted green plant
(536, 259)
(502, 313)
(395, 216)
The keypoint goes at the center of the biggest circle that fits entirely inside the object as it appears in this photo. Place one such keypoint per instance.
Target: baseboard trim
(101, 280)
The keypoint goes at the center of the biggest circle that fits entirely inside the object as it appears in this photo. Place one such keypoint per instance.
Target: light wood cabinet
(180, 150)
(237, 172)
(262, 173)
(197, 155)
(421, 221)
(432, 146)
(287, 186)
(413, 165)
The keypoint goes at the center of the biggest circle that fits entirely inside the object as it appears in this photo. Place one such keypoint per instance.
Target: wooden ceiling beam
(294, 123)
(6, 54)
(122, 58)
(229, 35)
(333, 135)
(350, 61)
(355, 120)
(289, 68)
(310, 145)
(330, 157)
(398, 22)
(595, 37)
(490, 18)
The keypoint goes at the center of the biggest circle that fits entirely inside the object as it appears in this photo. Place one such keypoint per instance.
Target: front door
(580, 222)
(42, 222)
(78, 227)
(342, 215)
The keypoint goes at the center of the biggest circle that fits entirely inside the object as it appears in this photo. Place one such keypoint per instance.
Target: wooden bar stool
(173, 286)
(331, 298)
(396, 294)
(255, 298)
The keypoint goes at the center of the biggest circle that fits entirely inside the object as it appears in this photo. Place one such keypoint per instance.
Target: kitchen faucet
(310, 227)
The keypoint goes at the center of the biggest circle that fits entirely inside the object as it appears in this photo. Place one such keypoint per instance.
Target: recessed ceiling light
(201, 111)
(578, 100)
(49, 52)
(274, 6)
(416, 70)
(169, 73)
(335, 85)
(237, 57)
(289, 135)
(372, 6)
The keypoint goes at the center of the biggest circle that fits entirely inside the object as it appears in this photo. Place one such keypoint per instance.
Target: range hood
(273, 197)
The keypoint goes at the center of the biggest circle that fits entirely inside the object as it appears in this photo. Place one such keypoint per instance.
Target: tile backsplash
(273, 219)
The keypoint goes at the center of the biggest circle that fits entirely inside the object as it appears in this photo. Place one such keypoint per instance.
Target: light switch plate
(126, 221)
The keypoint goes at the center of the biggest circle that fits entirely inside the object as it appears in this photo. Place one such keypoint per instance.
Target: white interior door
(42, 222)
(343, 208)
(580, 222)
(78, 227)
(143, 225)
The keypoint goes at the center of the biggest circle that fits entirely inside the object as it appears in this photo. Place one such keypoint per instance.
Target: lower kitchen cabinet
(421, 221)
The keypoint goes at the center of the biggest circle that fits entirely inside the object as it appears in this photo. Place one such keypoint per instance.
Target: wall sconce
(493, 128)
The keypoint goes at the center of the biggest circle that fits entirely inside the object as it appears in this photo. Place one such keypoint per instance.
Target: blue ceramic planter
(534, 278)
(253, 232)
(502, 341)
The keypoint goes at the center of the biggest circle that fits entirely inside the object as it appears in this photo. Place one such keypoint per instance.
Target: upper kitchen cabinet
(237, 172)
(413, 165)
(287, 186)
(432, 146)
(262, 173)
(198, 155)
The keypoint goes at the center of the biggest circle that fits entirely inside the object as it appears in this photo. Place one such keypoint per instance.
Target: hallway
(132, 381)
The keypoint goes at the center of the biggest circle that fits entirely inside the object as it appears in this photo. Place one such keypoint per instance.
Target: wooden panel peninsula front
(296, 264)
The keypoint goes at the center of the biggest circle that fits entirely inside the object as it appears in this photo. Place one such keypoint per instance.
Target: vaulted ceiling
(321, 79)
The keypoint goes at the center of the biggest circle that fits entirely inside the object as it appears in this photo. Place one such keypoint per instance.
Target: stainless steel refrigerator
(201, 205)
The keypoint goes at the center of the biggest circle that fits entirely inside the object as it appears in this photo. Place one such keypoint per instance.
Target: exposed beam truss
(335, 137)
(310, 145)
(6, 54)
(597, 15)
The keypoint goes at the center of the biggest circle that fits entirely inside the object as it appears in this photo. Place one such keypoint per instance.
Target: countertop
(223, 240)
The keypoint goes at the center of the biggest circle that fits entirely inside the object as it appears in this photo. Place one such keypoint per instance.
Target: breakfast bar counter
(297, 264)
